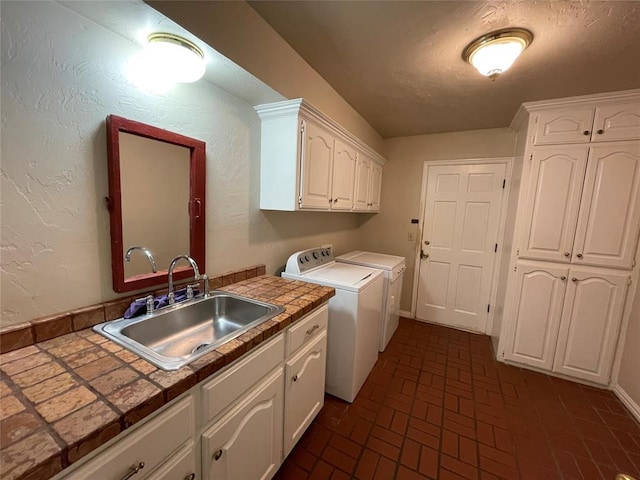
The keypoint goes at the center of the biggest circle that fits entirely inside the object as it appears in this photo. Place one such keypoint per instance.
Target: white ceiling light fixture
(495, 52)
(176, 58)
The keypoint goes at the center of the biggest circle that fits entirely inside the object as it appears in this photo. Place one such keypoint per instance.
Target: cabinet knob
(427, 242)
(574, 279)
(295, 378)
(586, 132)
(133, 470)
(217, 455)
(331, 200)
(600, 132)
(563, 278)
(579, 255)
(335, 200)
(567, 254)
(191, 476)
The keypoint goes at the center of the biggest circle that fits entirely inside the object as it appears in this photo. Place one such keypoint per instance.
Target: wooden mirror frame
(197, 177)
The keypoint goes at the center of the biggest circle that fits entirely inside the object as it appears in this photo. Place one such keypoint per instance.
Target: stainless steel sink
(175, 336)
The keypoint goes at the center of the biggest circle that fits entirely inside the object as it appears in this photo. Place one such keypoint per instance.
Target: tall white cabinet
(309, 162)
(576, 235)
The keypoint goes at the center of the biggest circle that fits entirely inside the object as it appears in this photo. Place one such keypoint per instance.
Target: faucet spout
(194, 266)
(148, 254)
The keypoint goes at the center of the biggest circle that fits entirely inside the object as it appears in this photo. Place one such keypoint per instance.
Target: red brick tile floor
(437, 405)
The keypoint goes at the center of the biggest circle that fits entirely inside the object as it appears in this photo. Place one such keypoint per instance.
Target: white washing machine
(393, 268)
(354, 316)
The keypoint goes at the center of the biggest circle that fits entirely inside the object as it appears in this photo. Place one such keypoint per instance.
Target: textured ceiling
(399, 64)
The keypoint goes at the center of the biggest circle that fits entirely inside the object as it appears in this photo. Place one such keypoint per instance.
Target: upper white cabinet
(583, 204)
(308, 162)
(588, 123)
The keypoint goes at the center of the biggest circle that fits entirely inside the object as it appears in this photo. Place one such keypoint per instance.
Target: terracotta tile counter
(64, 397)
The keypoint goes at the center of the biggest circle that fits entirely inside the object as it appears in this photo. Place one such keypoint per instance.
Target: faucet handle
(172, 298)
(205, 280)
(189, 292)
(149, 303)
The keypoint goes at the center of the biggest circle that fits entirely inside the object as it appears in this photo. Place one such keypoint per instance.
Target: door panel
(609, 219)
(539, 294)
(460, 228)
(344, 168)
(590, 321)
(360, 191)
(376, 187)
(616, 122)
(551, 206)
(316, 167)
(567, 126)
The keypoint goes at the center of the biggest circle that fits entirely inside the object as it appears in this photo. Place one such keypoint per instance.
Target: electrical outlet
(411, 237)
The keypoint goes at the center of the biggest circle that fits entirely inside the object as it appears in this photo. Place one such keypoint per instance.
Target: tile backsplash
(46, 328)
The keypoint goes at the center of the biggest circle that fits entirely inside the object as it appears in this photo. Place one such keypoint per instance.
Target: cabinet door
(304, 389)
(344, 168)
(317, 159)
(590, 322)
(609, 218)
(551, 207)
(375, 187)
(539, 293)
(567, 125)
(617, 122)
(247, 441)
(361, 189)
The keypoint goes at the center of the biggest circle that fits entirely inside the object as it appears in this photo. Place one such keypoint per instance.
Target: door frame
(508, 162)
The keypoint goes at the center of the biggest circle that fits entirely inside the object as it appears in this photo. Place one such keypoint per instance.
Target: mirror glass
(156, 184)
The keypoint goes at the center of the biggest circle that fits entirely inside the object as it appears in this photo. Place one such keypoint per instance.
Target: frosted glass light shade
(174, 58)
(494, 53)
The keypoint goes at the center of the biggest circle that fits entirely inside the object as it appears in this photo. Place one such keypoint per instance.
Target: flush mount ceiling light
(495, 52)
(175, 57)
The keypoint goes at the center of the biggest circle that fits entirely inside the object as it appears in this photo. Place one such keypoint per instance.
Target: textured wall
(402, 181)
(62, 74)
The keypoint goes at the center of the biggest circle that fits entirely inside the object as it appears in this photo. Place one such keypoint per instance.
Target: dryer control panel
(306, 260)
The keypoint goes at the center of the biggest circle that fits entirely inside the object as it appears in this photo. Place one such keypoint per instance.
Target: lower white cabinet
(566, 320)
(148, 451)
(304, 388)
(247, 441)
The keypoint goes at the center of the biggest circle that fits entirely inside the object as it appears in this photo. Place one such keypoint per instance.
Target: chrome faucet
(193, 264)
(146, 251)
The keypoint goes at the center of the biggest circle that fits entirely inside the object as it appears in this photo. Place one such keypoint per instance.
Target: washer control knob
(315, 255)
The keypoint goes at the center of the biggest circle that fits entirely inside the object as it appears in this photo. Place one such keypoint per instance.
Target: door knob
(423, 255)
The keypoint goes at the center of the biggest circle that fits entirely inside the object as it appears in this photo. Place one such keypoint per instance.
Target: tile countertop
(62, 398)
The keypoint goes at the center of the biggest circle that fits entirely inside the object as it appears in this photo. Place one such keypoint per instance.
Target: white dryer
(354, 316)
(393, 268)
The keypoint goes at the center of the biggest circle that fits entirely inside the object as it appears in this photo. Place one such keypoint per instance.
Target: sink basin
(175, 336)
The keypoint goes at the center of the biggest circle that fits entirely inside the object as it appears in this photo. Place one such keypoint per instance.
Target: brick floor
(438, 406)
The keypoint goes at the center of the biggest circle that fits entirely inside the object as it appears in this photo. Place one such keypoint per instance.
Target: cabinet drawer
(181, 465)
(233, 382)
(151, 443)
(306, 329)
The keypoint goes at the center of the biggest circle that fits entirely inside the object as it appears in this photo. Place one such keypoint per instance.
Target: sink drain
(200, 347)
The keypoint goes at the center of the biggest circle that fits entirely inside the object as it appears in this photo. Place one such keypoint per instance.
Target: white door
(304, 389)
(459, 236)
(247, 441)
(551, 207)
(538, 296)
(609, 218)
(590, 321)
(344, 168)
(361, 184)
(317, 161)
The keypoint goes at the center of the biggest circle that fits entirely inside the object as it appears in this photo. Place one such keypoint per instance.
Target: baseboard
(405, 314)
(628, 402)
